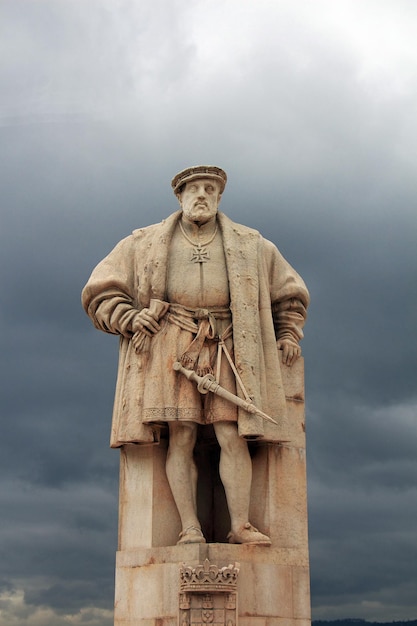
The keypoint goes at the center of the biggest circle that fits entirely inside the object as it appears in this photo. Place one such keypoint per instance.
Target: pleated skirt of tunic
(169, 395)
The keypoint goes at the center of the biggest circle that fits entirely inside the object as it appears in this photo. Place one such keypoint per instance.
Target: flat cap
(199, 171)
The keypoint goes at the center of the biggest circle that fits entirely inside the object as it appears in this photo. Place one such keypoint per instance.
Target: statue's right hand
(146, 322)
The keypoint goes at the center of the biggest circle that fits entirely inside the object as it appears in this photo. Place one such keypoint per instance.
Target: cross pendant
(200, 254)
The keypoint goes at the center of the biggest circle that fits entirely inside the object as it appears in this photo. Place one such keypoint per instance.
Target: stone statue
(201, 304)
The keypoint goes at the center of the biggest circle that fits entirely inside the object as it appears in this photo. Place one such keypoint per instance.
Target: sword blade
(208, 383)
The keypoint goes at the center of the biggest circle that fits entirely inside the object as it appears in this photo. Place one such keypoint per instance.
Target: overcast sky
(310, 107)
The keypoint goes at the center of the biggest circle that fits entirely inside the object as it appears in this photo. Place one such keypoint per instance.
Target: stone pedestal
(273, 582)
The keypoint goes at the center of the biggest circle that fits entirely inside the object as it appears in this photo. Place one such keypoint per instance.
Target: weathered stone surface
(147, 512)
(148, 583)
(273, 584)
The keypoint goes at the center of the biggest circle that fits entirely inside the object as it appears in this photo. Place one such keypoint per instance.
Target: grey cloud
(103, 104)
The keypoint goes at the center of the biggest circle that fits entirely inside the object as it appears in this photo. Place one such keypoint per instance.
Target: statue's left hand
(290, 351)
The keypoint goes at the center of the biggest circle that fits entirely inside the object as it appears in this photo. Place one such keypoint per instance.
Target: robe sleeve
(109, 296)
(289, 296)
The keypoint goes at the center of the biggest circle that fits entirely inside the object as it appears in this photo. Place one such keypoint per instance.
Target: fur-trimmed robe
(268, 300)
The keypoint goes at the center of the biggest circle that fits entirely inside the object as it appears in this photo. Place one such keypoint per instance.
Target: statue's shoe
(192, 534)
(250, 535)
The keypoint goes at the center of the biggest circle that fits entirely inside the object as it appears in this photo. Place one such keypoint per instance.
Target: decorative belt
(202, 323)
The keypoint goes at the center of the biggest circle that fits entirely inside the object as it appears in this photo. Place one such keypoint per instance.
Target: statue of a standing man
(220, 300)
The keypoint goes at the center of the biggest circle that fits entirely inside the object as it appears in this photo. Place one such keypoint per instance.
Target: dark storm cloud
(103, 103)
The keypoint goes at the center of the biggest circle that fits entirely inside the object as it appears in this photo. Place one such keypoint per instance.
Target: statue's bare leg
(235, 471)
(182, 477)
(236, 475)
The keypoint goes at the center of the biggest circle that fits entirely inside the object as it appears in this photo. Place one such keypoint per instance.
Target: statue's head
(199, 190)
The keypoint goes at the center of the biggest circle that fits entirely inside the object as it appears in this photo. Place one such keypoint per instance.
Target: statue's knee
(182, 435)
(228, 438)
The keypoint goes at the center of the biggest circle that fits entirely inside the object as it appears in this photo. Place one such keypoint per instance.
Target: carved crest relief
(208, 595)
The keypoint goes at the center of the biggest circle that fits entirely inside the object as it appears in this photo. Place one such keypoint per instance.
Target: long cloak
(268, 300)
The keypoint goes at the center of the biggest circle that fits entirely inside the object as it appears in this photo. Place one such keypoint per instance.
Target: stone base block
(272, 587)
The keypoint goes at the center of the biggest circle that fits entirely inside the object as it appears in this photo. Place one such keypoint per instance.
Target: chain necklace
(199, 254)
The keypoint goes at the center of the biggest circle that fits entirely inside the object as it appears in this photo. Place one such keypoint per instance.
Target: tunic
(196, 285)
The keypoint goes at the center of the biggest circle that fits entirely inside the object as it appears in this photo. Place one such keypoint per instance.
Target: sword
(208, 383)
